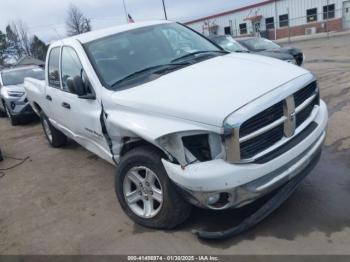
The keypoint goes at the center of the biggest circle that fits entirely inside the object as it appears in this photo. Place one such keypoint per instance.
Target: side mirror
(77, 86)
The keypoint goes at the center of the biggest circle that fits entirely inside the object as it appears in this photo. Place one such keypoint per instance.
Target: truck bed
(35, 90)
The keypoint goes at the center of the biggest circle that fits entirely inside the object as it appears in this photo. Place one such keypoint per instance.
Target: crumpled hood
(283, 53)
(291, 50)
(277, 53)
(209, 91)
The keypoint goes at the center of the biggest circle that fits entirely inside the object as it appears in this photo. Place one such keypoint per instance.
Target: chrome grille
(262, 119)
(270, 126)
(305, 93)
(259, 143)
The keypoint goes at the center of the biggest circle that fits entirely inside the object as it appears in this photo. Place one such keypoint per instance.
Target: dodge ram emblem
(289, 112)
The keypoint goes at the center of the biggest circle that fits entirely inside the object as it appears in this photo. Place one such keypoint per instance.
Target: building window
(227, 30)
(311, 15)
(284, 20)
(328, 12)
(270, 23)
(243, 29)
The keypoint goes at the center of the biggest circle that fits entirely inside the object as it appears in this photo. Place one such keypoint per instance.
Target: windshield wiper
(199, 52)
(153, 69)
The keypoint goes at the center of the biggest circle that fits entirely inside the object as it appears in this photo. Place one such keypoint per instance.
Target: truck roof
(93, 35)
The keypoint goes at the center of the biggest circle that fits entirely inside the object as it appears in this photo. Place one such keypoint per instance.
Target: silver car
(13, 100)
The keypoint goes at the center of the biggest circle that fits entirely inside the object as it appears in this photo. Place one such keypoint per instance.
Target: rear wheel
(145, 192)
(55, 137)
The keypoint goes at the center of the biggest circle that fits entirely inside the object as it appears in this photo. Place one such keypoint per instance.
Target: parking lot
(62, 201)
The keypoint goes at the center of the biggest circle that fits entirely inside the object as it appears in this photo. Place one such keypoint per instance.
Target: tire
(172, 211)
(2, 113)
(13, 119)
(55, 137)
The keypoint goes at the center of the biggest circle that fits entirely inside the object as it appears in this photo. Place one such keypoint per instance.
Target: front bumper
(19, 107)
(244, 183)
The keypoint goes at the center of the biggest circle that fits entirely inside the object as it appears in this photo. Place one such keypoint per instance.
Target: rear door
(53, 88)
(79, 116)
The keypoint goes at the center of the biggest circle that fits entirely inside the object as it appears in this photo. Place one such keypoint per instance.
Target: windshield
(259, 44)
(229, 44)
(16, 77)
(138, 53)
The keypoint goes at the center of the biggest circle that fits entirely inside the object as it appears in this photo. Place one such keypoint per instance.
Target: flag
(130, 20)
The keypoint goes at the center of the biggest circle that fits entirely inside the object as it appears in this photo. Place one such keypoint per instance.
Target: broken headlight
(193, 147)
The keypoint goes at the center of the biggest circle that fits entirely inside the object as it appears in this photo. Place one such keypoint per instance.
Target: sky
(46, 18)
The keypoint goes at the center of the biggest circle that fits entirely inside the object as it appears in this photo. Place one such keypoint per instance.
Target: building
(278, 19)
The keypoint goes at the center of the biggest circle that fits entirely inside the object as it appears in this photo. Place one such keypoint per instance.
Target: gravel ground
(62, 201)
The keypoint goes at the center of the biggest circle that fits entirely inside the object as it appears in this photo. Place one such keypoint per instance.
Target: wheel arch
(37, 108)
(130, 144)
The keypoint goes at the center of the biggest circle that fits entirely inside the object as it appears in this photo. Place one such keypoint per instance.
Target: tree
(38, 48)
(76, 22)
(14, 46)
(22, 31)
(3, 47)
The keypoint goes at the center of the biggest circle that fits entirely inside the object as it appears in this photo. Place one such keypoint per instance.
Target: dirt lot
(62, 201)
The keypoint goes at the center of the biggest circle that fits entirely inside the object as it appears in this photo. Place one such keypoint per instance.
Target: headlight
(15, 93)
(191, 147)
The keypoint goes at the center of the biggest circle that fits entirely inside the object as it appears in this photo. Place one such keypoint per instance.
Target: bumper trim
(269, 207)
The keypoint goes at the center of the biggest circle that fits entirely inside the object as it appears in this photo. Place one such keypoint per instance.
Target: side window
(54, 61)
(71, 66)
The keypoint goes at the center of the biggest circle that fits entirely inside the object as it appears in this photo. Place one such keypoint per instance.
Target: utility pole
(288, 25)
(126, 13)
(275, 20)
(165, 14)
(327, 27)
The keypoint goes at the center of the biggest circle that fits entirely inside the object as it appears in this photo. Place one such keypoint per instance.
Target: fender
(127, 123)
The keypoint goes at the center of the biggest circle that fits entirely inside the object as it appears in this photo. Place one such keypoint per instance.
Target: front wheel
(55, 137)
(145, 192)
(13, 119)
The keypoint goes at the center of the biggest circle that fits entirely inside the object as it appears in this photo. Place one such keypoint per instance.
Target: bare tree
(22, 31)
(14, 48)
(19, 37)
(76, 22)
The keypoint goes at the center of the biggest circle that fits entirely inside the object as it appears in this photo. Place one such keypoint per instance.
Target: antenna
(125, 11)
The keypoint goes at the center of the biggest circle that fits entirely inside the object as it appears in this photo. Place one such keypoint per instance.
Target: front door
(346, 14)
(80, 117)
(256, 27)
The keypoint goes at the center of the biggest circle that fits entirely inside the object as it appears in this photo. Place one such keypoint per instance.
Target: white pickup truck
(185, 122)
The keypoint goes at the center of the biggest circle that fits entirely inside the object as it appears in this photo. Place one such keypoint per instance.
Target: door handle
(48, 97)
(66, 105)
